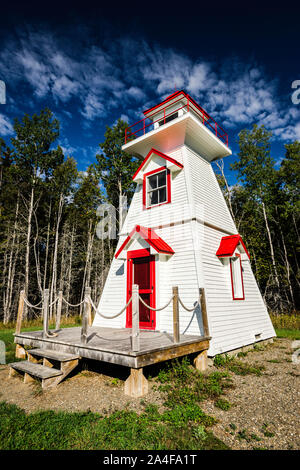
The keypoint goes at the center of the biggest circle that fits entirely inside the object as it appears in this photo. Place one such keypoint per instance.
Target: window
(237, 283)
(168, 119)
(157, 189)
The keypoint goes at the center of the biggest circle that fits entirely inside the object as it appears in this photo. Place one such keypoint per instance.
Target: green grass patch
(223, 404)
(123, 430)
(286, 333)
(181, 425)
(236, 366)
(182, 384)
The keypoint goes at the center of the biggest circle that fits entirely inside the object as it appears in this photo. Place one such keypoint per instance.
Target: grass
(286, 326)
(223, 404)
(123, 430)
(236, 366)
(7, 332)
(182, 425)
(286, 322)
(287, 333)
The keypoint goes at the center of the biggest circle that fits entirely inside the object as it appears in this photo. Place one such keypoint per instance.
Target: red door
(141, 271)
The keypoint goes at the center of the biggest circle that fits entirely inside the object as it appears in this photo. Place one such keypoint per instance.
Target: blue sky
(93, 65)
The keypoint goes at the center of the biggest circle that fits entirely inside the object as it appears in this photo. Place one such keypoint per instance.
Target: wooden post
(204, 311)
(136, 385)
(20, 312)
(45, 312)
(200, 362)
(176, 332)
(58, 311)
(85, 316)
(135, 331)
(89, 307)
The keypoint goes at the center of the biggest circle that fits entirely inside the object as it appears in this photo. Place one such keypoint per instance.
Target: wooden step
(54, 355)
(35, 370)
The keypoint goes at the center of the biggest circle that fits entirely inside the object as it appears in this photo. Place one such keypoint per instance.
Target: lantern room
(177, 120)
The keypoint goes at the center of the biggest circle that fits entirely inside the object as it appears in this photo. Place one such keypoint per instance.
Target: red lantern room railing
(170, 112)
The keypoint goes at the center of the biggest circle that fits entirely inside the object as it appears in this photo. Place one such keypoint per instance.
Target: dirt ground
(264, 412)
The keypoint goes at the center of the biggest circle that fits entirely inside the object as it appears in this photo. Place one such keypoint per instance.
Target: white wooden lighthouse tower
(179, 232)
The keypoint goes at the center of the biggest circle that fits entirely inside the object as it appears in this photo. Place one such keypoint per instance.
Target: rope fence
(110, 317)
(89, 304)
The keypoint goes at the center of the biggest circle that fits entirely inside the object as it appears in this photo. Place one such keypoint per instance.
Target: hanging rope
(104, 316)
(71, 305)
(155, 309)
(188, 309)
(32, 306)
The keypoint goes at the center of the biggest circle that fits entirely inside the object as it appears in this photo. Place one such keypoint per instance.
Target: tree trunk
(70, 269)
(54, 265)
(220, 165)
(47, 246)
(27, 255)
(271, 245)
(287, 266)
(11, 267)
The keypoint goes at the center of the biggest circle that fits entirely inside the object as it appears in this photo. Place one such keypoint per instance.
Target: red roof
(151, 237)
(160, 154)
(229, 244)
(172, 96)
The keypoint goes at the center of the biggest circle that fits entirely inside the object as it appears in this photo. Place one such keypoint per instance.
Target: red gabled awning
(151, 237)
(160, 154)
(228, 246)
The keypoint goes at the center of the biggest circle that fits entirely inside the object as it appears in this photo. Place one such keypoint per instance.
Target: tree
(87, 198)
(256, 171)
(64, 178)
(116, 167)
(35, 160)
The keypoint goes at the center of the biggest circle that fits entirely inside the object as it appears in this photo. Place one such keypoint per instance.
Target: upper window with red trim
(237, 282)
(157, 188)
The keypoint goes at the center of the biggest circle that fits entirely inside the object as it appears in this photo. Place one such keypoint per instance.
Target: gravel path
(265, 409)
(264, 412)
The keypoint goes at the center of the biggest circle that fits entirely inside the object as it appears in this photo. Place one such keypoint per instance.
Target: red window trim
(143, 253)
(232, 288)
(158, 170)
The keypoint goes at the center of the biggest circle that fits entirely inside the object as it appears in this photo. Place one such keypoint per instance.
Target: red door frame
(131, 255)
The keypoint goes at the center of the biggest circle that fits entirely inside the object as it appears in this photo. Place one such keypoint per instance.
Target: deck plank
(114, 344)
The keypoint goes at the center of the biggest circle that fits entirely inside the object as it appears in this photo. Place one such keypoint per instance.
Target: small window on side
(157, 189)
(237, 282)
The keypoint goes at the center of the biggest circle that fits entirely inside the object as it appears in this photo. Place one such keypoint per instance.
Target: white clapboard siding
(193, 225)
(233, 323)
(207, 195)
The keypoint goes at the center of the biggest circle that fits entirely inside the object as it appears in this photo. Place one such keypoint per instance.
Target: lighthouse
(179, 232)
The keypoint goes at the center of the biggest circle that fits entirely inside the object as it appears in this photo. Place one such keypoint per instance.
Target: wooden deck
(114, 345)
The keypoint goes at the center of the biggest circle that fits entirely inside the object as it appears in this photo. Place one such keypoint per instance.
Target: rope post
(20, 312)
(135, 332)
(85, 316)
(58, 312)
(45, 312)
(176, 334)
(204, 311)
(89, 307)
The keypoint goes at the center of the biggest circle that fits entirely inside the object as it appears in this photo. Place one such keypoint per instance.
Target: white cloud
(136, 93)
(126, 72)
(6, 127)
